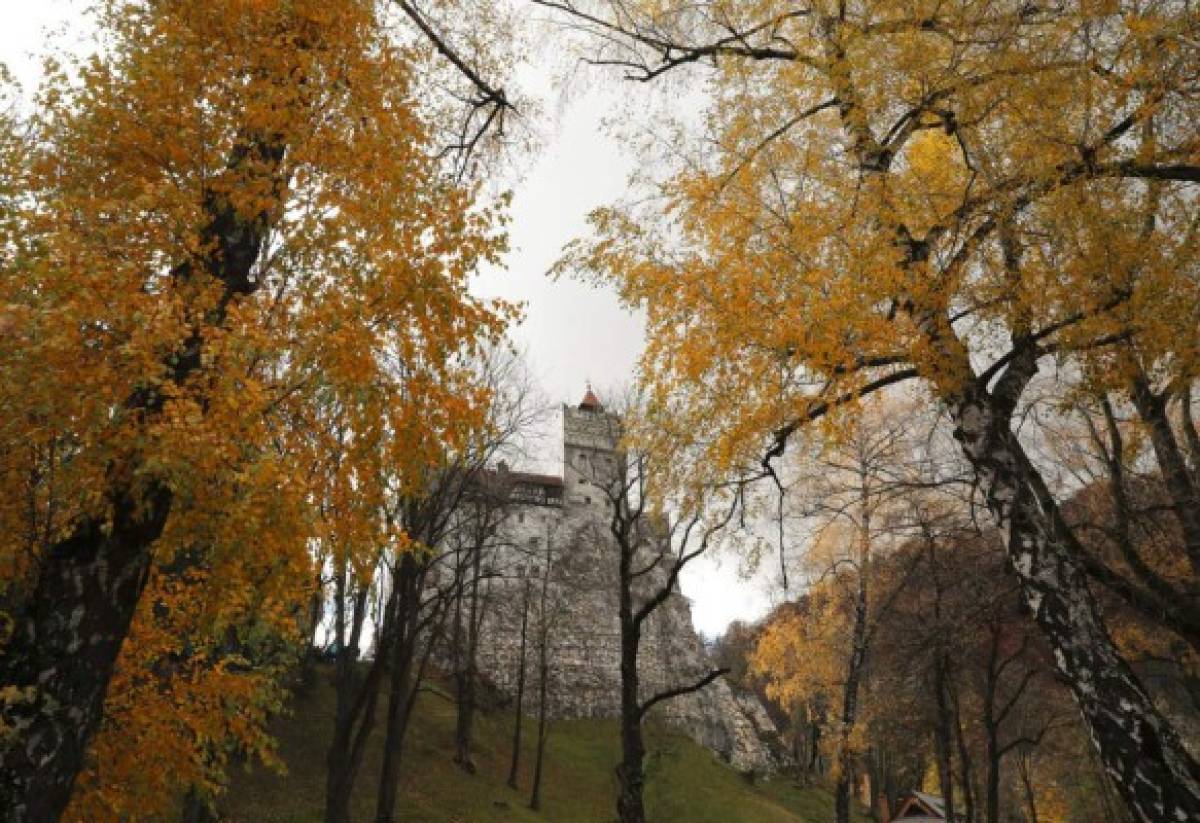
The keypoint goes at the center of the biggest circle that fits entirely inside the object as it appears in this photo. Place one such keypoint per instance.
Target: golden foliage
(858, 191)
(359, 327)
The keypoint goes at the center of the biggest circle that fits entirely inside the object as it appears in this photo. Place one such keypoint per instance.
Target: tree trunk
(1156, 776)
(1176, 477)
(966, 770)
(519, 713)
(858, 655)
(1025, 768)
(630, 778)
(800, 738)
(393, 747)
(814, 748)
(69, 631)
(991, 728)
(356, 696)
(942, 733)
(850, 709)
(992, 797)
(353, 723)
(464, 722)
(535, 795)
(195, 810)
(408, 581)
(1190, 435)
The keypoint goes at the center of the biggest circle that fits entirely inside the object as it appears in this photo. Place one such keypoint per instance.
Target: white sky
(572, 332)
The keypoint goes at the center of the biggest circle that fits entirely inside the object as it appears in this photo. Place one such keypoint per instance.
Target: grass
(685, 782)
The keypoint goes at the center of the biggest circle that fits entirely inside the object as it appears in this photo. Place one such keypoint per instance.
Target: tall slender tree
(652, 552)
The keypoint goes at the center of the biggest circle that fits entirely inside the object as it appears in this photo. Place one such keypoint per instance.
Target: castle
(555, 532)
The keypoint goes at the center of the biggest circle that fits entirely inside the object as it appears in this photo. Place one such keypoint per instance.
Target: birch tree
(951, 193)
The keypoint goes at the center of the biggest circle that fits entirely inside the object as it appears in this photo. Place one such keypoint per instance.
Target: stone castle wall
(582, 614)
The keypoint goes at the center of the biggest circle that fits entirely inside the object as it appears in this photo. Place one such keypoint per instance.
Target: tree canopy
(230, 220)
(960, 193)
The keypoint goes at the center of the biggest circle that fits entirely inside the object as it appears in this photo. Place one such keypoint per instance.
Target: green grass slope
(686, 782)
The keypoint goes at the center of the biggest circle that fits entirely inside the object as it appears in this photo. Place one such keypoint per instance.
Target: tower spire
(590, 402)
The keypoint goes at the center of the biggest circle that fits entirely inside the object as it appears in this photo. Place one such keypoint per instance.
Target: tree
(236, 209)
(470, 605)
(652, 551)
(519, 703)
(847, 487)
(1127, 520)
(551, 604)
(954, 193)
(476, 536)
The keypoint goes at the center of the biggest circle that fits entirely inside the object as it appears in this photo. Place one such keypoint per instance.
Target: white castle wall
(583, 615)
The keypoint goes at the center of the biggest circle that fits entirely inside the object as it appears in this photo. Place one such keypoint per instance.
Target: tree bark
(854, 667)
(1026, 770)
(535, 795)
(1190, 435)
(992, 788)
(1156, 776)
(465, 716)
(1152, 408)
(408, 583)
(356, 700)
(70, 628)
(800, 740)
(519, 715)
(943, 742)
(630, 778)
(942, 734)
(814, 749)
(991, 727)
(966, 769)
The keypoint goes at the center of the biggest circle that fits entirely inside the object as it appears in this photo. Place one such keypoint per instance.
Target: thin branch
(680, 691)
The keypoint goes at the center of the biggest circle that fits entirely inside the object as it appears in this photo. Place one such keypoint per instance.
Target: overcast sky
(572, 332)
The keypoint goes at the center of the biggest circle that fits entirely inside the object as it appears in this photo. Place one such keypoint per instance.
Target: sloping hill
(685, 781)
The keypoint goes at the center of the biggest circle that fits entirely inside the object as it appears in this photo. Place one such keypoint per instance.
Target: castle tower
(590, 458)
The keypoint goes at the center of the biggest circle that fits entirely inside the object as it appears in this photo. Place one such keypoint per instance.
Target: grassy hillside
(686, 782)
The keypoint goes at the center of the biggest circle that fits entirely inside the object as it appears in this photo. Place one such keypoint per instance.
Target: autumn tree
(1127, 519)
(847, 489)
(424, 587)
(951, 193)
(962, 656)
(397, 584)
(801, 715)
(234, 215)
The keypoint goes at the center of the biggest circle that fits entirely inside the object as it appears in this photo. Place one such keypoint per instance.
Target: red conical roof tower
(590, 401)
